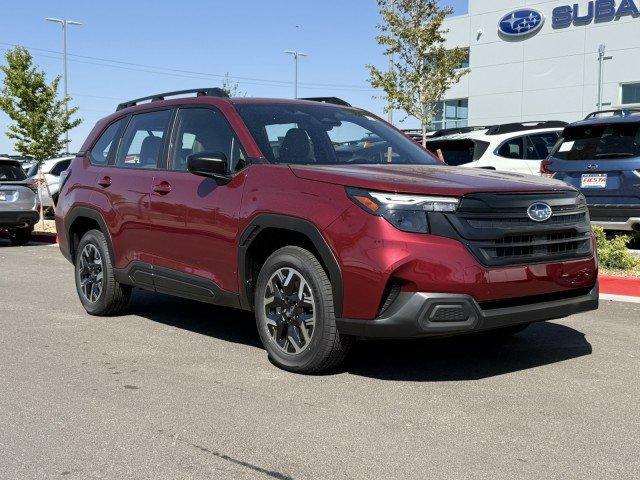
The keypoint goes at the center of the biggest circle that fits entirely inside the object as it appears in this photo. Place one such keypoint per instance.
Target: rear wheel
(20, 236)
(97, 287)
(295, 313)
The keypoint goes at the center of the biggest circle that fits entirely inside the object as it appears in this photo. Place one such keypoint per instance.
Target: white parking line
(619, 298)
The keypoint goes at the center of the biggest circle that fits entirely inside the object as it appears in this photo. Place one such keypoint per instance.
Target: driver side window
(205, 130)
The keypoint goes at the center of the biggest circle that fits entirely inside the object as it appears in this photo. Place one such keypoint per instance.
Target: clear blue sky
(128, 49)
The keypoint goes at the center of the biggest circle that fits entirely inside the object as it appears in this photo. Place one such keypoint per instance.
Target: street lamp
(64, 24)
(295, 54)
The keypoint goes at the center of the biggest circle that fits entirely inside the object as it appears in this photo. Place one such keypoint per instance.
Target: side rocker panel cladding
(297, 225)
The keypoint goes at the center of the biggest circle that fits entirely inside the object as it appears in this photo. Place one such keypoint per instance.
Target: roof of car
(8, 161)
(615, 119)
(482, 135)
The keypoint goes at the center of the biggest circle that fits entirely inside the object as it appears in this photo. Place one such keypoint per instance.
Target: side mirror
(210, 164)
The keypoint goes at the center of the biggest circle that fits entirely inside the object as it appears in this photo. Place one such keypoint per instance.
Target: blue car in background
(601, 156)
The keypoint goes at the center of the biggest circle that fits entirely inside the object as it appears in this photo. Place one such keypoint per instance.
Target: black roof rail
(615, 112)
(333, 100)
(517, 127)
(200, 92)
(453, 131)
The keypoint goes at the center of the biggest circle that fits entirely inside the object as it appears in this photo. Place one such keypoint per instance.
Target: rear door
(603, 161)
(194, 221)
(512, 156)
(127, 182)
(539, 146)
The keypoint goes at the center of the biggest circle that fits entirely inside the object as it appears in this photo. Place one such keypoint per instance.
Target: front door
(194, 221)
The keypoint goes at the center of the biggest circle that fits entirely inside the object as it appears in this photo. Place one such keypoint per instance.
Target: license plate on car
(594, 180)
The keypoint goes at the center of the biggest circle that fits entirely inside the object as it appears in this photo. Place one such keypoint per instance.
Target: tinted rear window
(458, 152)
(612, 141)
(10, 172)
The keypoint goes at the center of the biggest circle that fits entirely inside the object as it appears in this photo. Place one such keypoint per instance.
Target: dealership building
(543, 60)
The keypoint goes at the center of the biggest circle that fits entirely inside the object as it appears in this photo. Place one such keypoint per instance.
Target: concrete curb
(626, 286)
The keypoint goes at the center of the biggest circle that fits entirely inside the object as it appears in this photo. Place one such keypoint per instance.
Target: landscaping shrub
(613, 253)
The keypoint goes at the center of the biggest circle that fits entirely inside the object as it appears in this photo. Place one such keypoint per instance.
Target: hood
(427, 179)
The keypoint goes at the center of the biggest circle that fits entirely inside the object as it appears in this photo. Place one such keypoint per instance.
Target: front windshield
(327, 135)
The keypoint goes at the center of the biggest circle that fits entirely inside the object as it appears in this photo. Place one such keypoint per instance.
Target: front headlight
(406, 212)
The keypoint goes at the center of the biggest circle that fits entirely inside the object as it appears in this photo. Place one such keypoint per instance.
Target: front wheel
(295, 313)
(97, 287)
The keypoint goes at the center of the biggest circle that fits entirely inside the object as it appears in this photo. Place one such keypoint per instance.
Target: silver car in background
(18, 202)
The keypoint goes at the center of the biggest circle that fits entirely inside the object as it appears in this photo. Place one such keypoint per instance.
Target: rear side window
(458, 152)
(9, 172)
(608, 141)
(59, 168)
(539, 145)
(513, 148)
(201, 130)
(142, 142)
(99, 154)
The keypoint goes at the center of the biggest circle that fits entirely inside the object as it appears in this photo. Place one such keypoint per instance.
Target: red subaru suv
(327, 222)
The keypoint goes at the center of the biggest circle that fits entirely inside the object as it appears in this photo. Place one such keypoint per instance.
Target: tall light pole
(390, 112)
(64, 24)
(295, 55)
(601, 52)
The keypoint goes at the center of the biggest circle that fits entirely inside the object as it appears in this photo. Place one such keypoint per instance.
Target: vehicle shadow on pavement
(6, 243)
(469, 357)
(227, 324)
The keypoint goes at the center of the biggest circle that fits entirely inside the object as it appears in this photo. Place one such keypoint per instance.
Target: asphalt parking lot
(180, 390)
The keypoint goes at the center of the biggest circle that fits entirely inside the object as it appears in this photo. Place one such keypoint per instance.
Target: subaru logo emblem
(539, 212)
(521, 22)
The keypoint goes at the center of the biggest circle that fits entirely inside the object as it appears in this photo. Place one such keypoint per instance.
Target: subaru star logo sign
(521, 22)
(539, 212)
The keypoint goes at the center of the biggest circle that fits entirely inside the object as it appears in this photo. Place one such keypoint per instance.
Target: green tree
(232, 87)
(421, 68)
(40, 119)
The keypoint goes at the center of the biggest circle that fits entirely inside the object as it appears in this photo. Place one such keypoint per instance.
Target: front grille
(525, 222)
(497, 230)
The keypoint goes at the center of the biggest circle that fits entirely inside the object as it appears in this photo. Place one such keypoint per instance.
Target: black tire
(113, 297)
(20, 236)
(326, 348)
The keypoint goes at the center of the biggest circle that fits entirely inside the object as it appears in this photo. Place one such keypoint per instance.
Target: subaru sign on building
(533, 60)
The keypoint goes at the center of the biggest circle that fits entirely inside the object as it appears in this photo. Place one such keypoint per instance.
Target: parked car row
(600, 156)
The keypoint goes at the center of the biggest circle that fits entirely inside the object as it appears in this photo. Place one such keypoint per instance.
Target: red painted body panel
(371, 251)
(196, 227)
(426, 179)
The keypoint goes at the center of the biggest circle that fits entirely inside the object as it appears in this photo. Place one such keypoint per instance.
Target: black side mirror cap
(210, 164)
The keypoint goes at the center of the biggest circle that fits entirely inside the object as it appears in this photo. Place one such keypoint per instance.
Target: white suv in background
(50, 170)
(512, 147)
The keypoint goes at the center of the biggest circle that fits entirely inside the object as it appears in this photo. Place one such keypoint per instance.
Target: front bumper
(419, 314)
(26, 218)
(616, 216)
